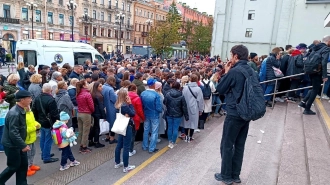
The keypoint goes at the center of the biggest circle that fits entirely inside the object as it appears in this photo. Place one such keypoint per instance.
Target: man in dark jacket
(76, 73)
(13, 140)
(272, 61)
(45, 112)
(317, 78)
(139, 84)
(235, 129)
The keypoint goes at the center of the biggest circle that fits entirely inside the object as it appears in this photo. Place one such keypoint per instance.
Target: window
(128, 8)
(86, 10)
(140, 14)
(109, 33)
(102, 2)
(93, 1)
(50, 17)
(38, 35)
(128, 36)
(61, 19)
(145, 14)
(26, 35)
(121, 34)
(248, 32)
(109, 18)
(60, 2)
(61, 36)
(94, 31)
(148, 14)
(152, 15)
(49, 1)
(116, 34)
(6, 11)
(29, 57)
(25, 14)
(128, 21)
(163, 17)
(94, 14)
(102, 16)
(102, 32)
(156, 16)
(139, 40)
(136, 11)
(109, 4)
(142, 40)
(51, 36)
(251, 14)
(80, 58)
(140, 27)
(86, 30)
(38, 15)
(71, 20)
(134, 40)
(123, 6)
(116, 3)
(144, 28)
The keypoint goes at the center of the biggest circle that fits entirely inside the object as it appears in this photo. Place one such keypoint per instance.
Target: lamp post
(149, 22)
(32, 6)
(72, 6)
(119, 19)
(86, 19)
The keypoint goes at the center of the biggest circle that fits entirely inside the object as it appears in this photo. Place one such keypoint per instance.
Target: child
(124, 104)
(65, 145)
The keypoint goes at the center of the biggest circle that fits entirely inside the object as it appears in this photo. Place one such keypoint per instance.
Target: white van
(44, 52)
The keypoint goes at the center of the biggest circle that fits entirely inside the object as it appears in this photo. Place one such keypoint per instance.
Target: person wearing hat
(152, 107)
(13, 140)
(253, 61)
(139, 83)
(95, 70)
(88, 78)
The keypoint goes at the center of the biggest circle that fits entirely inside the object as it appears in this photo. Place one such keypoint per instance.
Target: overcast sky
(202, 5)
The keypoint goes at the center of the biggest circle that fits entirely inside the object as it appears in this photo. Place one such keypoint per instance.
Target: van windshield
(99, 58)
(81, 57)
(27, 56)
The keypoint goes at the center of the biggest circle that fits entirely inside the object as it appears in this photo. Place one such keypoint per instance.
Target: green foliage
(166, 33)
(201, 39)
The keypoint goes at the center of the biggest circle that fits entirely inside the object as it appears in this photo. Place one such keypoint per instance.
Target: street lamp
(86, 19)
(72, 6)
(149, 22)
(119, 19)
(32, 6)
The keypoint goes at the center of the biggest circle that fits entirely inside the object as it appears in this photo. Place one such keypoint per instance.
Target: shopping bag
(4, 108)
(120, 125)
(278, 73)
(104, 126)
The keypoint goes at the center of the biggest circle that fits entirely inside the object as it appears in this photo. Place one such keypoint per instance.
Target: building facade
(103, 30)
(146, 14)
(262, 25)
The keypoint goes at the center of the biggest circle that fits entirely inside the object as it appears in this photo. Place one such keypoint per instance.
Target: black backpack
(206, 91)
(313, 62)
(251, 105)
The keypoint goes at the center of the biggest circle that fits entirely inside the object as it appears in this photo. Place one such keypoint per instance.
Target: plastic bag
(104, 126)
(4, 108)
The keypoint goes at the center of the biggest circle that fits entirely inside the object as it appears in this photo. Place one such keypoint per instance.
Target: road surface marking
(323, 113)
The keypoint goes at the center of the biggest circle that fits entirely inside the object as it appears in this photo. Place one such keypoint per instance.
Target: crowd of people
(162, 98)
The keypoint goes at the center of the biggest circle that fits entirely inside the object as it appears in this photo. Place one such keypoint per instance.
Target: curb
(324, 118)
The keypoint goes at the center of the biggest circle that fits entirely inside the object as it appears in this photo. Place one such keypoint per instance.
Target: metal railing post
(322, 90)
(274, 94)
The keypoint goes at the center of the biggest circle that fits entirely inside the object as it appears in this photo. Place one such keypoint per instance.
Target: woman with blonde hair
(125, 107)
(35, 86)
(11, 88)
(21, 72)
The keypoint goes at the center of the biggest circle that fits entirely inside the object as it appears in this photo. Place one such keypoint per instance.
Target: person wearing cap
(13, 140)
(95, 70)
(253, 61)
(139, 83)
(88, 78)
(152, 107)
(296, 66)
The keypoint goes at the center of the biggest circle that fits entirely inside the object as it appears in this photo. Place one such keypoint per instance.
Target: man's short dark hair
(287, 47)
(45, 67)
(95, 77)
(241, 51)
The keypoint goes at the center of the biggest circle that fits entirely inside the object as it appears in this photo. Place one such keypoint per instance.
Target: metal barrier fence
(281, 92)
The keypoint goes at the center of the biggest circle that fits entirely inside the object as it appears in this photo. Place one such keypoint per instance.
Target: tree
(166, 33)
(187, 31)
(201, 39)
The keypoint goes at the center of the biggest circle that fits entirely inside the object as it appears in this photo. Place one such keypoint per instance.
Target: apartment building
(146, 14)
(263, 25)
(104, 30)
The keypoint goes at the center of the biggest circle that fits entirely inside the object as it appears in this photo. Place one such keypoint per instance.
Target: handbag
(121, 123)
(104, 126)
(278, 73)
(47, 116)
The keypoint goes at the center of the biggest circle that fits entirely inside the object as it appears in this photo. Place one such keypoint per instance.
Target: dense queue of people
(162, 98)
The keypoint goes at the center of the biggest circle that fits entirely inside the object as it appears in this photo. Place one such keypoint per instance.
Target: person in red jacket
(85, 110)
(139, 115)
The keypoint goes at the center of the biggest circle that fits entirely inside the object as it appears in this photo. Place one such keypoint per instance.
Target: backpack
(56, 135)
(313, 62)
(251, 105)
(206, 91)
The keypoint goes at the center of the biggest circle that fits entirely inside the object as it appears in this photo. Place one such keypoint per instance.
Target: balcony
(9, 20)
(145, 34)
